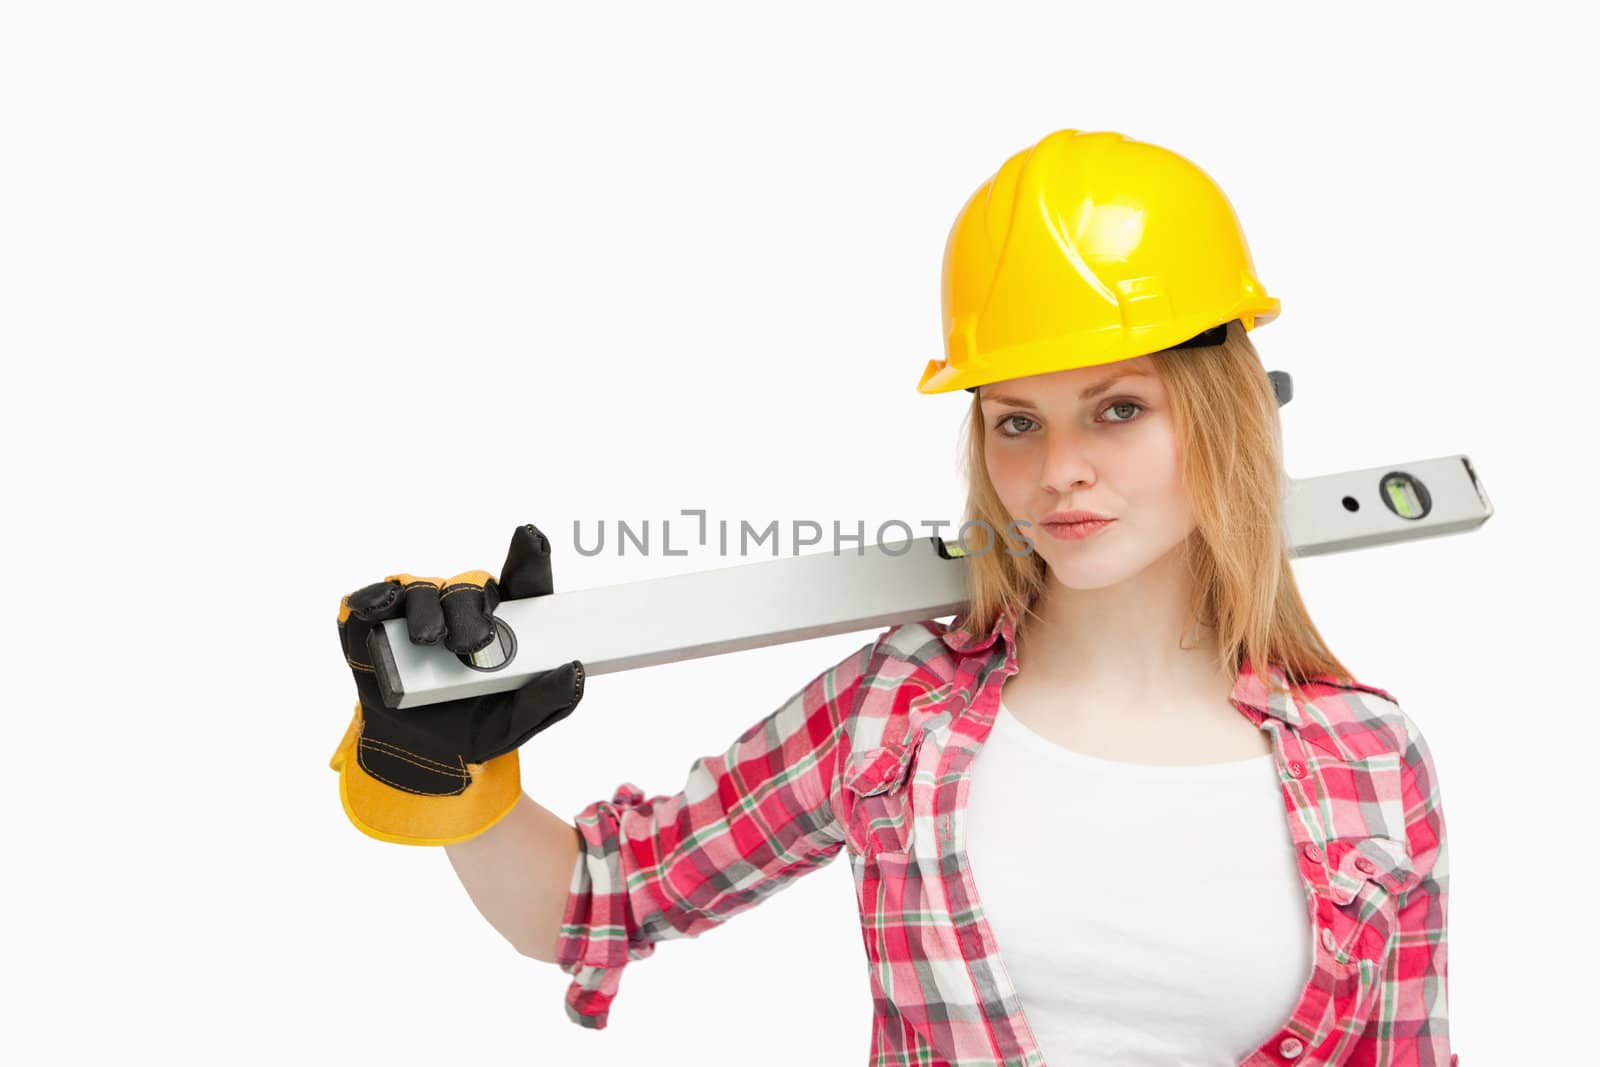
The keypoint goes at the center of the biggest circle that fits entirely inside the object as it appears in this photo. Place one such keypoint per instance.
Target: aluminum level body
(753, 605)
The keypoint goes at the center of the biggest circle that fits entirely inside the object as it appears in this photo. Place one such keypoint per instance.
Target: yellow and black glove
(442, 773)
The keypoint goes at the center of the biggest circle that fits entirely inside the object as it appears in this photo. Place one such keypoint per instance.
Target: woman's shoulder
(928, 649)
(1362, 722)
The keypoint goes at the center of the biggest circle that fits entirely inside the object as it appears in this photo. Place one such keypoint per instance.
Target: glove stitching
(464, 778)
(426, 763)
(405, 788)
(362, 613)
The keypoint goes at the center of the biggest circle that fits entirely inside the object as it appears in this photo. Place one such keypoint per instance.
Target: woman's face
(1098, 439)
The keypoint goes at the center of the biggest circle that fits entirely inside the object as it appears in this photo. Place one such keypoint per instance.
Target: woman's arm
(518, 873)
(749, 821)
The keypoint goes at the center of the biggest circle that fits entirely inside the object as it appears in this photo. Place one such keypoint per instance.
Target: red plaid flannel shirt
(872, 757)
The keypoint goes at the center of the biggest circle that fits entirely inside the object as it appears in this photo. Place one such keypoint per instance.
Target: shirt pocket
(877, 785)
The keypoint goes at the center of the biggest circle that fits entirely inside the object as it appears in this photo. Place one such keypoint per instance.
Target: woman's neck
(1122, 642)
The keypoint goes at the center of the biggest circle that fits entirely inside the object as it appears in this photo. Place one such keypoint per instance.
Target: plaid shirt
(873, 756)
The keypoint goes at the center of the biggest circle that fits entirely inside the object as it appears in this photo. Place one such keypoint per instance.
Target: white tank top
(1145, 914)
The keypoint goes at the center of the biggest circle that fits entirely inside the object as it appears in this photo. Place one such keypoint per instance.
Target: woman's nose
(1067, 462)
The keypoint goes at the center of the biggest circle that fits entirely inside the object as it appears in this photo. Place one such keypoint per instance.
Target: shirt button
(1328, 941)
(1313, 853)
(1290, 1047)
(1365, 865)
(1297, 769)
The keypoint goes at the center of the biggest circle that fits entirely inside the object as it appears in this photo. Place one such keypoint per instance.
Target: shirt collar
(1251, 689)
(967, 645)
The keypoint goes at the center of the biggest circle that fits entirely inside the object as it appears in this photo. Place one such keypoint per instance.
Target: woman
(1183, 858)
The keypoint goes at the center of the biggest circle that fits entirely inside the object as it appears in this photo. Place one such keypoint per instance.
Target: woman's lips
(1075, 531)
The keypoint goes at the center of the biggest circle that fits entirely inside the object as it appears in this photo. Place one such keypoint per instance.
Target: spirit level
(753, 605)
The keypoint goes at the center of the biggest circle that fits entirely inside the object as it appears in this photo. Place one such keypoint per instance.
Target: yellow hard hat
(1089, 248)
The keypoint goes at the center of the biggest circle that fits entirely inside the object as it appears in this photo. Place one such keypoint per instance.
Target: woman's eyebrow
(1104, 385)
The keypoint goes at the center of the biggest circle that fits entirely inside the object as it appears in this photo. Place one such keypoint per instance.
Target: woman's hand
(442, 773)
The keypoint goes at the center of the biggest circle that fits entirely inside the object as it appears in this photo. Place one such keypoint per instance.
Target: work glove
(441, 773)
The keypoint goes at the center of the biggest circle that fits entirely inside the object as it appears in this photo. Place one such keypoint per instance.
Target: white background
(294, 296)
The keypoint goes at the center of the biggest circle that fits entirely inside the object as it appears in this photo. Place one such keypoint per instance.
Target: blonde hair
(1230, 449)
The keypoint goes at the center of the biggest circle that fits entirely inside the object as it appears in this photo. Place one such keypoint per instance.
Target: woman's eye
(1125, 404)
(1001, 425)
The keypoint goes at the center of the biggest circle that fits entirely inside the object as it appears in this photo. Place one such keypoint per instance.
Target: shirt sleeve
(1410, 1024)
(747, 822)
